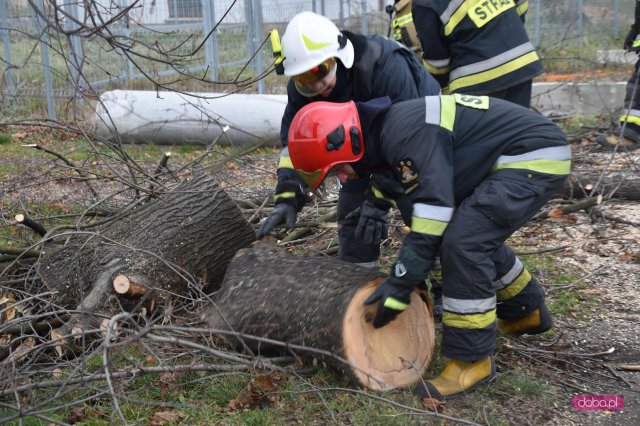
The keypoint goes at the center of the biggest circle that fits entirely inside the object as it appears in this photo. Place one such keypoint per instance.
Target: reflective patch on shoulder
(408, 175)
(479, 102)
(483, 12)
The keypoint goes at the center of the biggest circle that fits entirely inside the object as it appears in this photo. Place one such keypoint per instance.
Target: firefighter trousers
(482, 277)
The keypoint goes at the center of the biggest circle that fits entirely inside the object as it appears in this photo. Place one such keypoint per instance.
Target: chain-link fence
(58, 51)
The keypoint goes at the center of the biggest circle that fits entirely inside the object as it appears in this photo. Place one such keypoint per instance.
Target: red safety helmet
(321, 135)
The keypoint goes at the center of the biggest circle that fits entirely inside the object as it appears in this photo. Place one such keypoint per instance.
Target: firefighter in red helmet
(475, 169)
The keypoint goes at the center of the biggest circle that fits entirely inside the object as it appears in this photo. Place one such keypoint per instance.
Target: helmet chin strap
(342, 41)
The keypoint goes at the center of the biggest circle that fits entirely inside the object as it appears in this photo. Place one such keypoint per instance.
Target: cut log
(177, 243)
(27, 221)
(318, 303)
(129, 286)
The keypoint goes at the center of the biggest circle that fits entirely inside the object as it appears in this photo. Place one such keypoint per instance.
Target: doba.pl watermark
(598, 402)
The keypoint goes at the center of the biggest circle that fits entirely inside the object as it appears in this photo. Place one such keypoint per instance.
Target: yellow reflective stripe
(403, 20)
(496, 72)
(469, 321)
(433, 70)
(284, 195)
(486, 11)
(447, 112)
(458, 16)
(478, 102)
(380, 196)
(630, 118)
(285, 163)
(552, 167)
(428, 226)
(515, 287)
(522, 8)
(313, 45)
(392, 303)
(635, 43)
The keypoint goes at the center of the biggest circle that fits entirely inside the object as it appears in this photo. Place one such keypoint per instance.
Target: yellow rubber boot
(611, 141)
(457, 378)
(536, 322)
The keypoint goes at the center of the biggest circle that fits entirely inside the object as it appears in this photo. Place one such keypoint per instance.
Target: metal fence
(57, 52)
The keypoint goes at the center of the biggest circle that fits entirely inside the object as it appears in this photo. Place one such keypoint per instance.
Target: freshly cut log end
(318, 303)
(394, 355)
(123, 285)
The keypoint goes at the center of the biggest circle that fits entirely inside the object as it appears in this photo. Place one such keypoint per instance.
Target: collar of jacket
(366, 53)
(369, 112)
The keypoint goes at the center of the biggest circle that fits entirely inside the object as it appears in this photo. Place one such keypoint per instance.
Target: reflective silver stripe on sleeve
(449, 11)
(558, 153)
(428, 211)
(468, 306)
(634, 112)
(490, 63)
(438, 63)
(433, 110)
(510, 276)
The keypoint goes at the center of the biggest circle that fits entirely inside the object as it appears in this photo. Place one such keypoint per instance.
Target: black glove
(394, 298)
(394, 295)
(290, 199)
(630, 38)
(372, 227)
(283, 212)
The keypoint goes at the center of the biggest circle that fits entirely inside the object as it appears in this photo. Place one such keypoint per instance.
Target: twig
(299, 232)
(545, 250)
(259, 209)
(22, 252)
(606, 352)
(581, 205)
(615, 374)
(78, 170)
(628, 367)
(105, 361)
(27, 221)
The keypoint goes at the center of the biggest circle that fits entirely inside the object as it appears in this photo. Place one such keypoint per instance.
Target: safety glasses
(317, 79)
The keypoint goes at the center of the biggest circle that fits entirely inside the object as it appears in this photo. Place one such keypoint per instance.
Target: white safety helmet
(309, 40)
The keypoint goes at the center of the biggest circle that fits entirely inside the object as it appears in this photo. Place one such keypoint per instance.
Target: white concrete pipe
(173, 118)
(167, 118)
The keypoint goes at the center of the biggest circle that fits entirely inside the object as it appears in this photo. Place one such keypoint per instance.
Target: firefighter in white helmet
(326, 64)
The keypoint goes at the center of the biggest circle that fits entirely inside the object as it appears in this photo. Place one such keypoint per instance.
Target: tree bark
(582, 185)
(178, 243)
(319, 303)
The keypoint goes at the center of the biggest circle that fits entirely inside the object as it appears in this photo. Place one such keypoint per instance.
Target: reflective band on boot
(536, 322)
(456, 378)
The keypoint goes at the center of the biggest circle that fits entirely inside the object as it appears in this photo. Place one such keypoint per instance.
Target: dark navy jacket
(475, 47)
(439, 148)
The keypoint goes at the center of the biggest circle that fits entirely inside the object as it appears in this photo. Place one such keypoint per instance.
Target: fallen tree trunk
(318, 302)
(176, 245)
(582, 185)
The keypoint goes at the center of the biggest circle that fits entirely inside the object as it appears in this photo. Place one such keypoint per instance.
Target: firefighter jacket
(475, 46)
(439, 148)
(381, 67)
